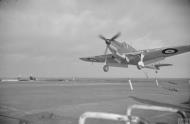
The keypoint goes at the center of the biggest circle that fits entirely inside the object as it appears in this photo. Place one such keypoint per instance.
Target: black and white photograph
(94, 61)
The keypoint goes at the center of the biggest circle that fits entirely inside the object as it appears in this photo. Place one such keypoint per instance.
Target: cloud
(146, 42)
(58, 32)
(33, 33)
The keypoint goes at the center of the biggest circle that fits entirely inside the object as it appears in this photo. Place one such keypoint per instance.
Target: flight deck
(65, 101)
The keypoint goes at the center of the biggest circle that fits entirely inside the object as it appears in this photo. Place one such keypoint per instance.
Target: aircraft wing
(150, 56)
(100, 58)
(165, 51)
(112, 60)
(158, 54)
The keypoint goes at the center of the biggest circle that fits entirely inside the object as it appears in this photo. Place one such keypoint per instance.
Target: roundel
(169, 51)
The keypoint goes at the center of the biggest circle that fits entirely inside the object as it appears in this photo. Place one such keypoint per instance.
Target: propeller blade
(116, 36)
(102, 37)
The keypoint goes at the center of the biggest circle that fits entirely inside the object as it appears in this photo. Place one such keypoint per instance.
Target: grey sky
(46, 37)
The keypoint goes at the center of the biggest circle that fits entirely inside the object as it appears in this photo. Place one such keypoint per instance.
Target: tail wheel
(106, 68)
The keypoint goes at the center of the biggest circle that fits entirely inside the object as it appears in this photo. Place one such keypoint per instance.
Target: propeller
(108, 42)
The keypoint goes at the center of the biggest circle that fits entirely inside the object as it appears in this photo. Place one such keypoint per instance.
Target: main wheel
(139, 67)
(106, 68)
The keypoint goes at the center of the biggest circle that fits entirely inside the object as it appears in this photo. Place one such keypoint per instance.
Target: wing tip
(83, 59)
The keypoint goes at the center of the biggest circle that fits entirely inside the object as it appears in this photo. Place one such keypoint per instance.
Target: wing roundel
(169, 51)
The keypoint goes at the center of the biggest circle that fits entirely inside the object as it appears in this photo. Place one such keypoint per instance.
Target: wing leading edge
(100, 58)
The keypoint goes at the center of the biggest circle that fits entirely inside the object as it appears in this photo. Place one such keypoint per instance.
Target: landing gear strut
(141, 63)
(106, 68)
(157, 83)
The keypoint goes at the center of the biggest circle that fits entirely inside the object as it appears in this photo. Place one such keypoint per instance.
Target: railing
(129, 118)
(108, 116)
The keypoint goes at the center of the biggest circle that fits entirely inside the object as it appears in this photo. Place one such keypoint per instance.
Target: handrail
(128, 118)
(109, 116)
(101, 115)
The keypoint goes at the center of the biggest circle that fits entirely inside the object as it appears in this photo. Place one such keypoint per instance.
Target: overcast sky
(47, 37)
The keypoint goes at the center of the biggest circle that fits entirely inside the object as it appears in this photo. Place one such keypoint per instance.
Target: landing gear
(157, 83)
(139, 67)
(141, 63)
(106, 68)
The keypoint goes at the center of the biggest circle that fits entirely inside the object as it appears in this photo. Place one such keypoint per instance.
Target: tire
(106, 68)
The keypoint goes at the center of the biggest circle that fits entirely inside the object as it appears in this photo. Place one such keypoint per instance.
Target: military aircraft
(123, 54)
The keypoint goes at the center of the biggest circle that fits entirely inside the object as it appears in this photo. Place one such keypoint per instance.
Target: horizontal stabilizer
(156, 66)
(159, 65)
